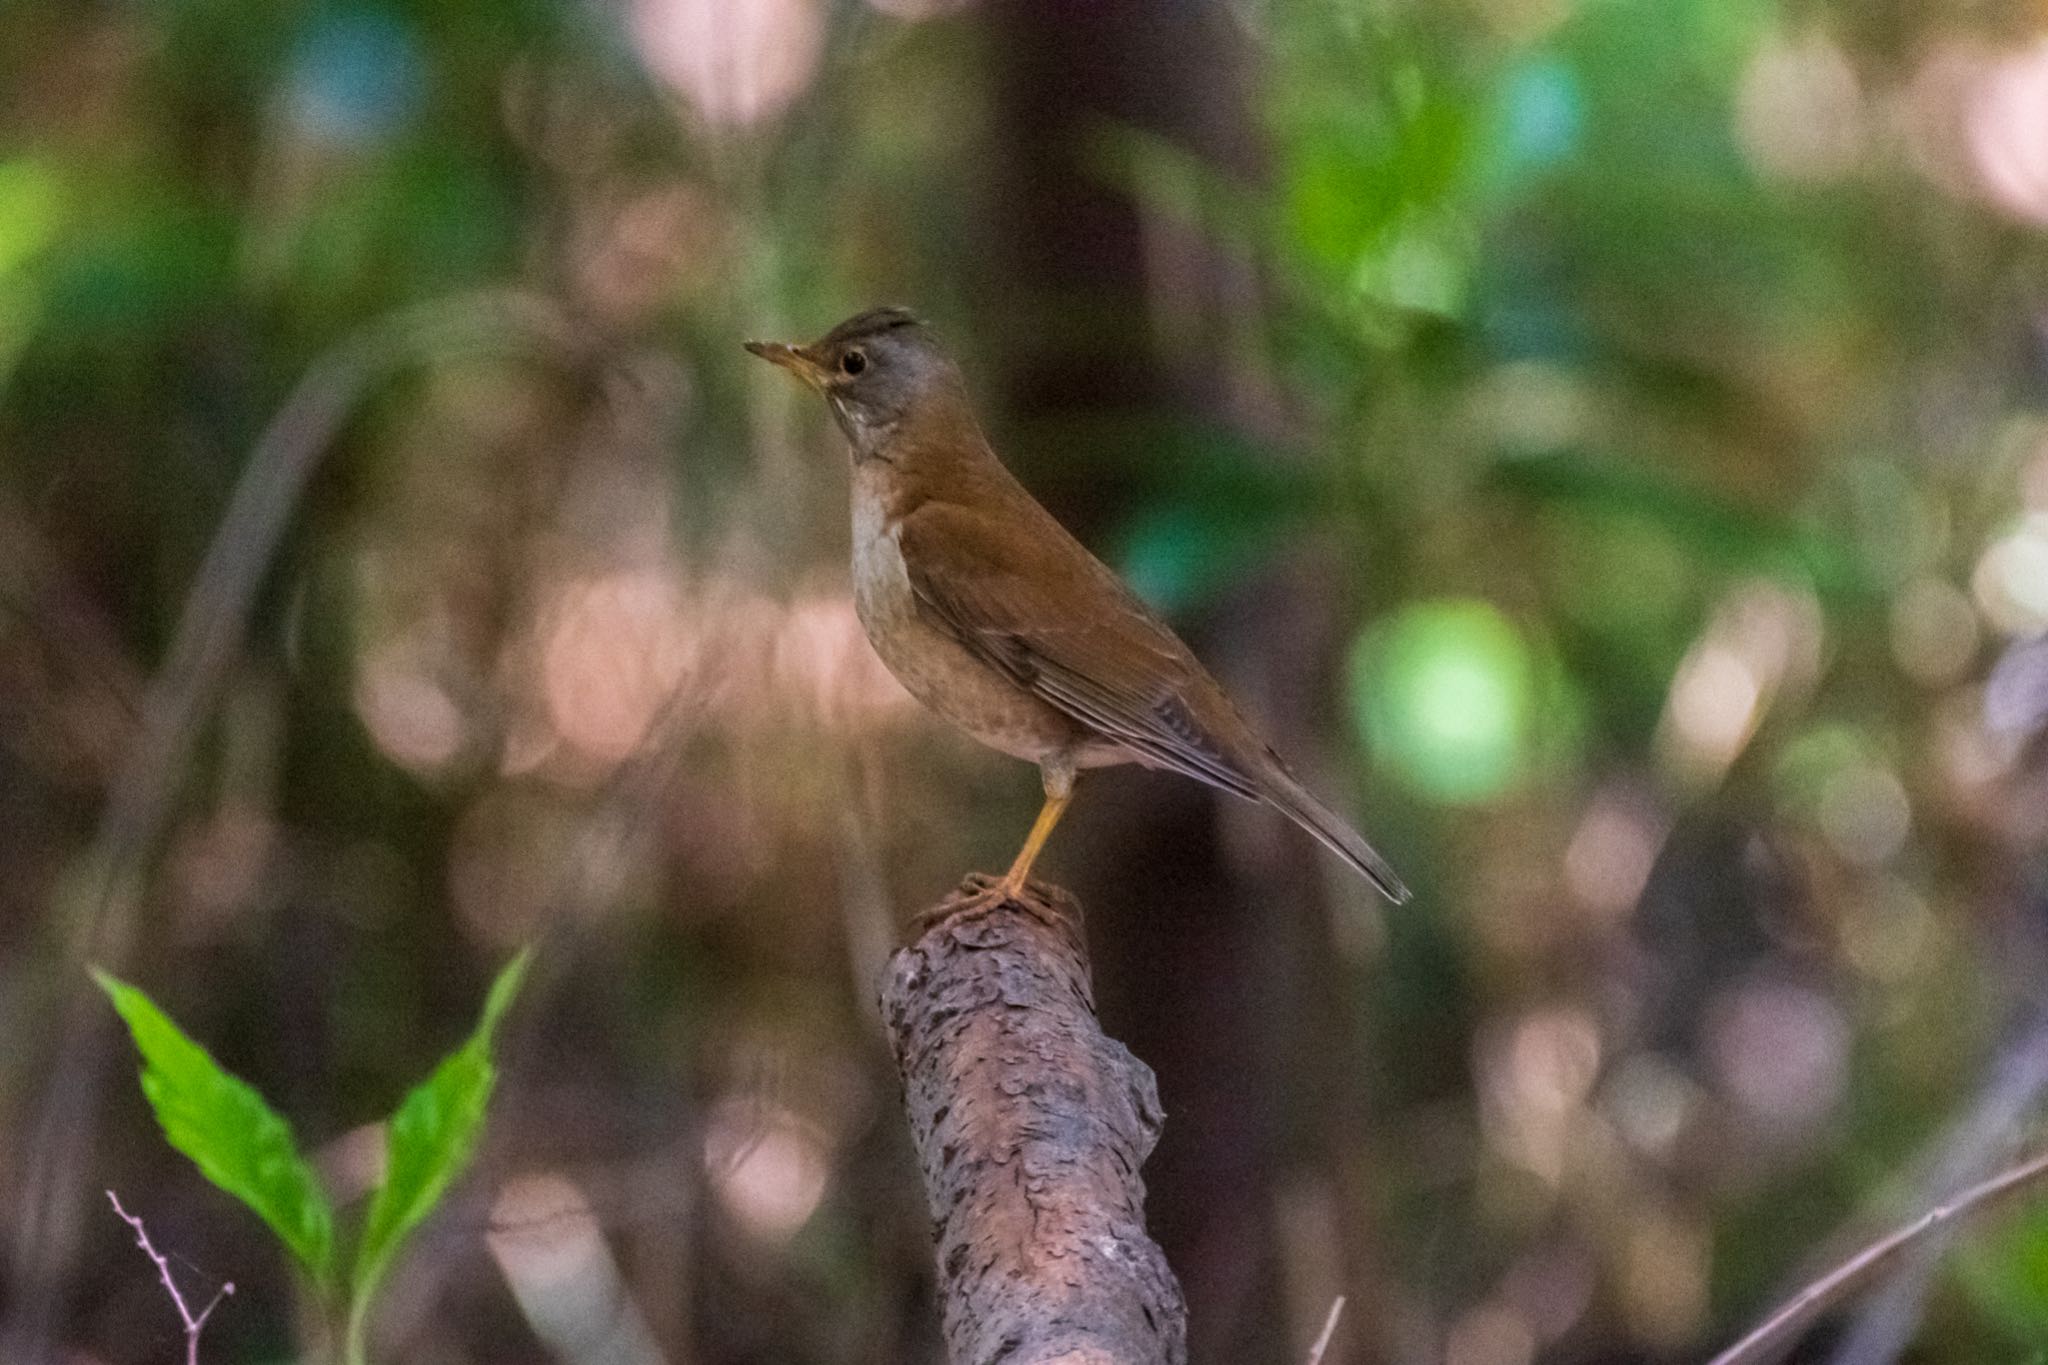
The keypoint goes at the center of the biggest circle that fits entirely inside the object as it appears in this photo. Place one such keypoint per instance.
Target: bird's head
(874, 369)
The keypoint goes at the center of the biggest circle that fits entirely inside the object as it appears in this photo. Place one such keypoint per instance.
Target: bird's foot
(980, 886)
(981, 894)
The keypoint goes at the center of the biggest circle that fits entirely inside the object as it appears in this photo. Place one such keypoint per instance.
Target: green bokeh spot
(2004, 1269)
(30, 203)
(1444, 693)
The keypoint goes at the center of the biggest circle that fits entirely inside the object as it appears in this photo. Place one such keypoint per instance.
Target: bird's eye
(853, 362)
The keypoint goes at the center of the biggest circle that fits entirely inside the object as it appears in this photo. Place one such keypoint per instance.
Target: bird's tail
(1294, 801)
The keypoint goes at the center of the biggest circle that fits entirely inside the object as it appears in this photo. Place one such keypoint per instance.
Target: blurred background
(1603, 442)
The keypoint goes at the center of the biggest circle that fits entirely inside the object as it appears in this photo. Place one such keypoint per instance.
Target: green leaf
(431, 1137)
(237, 1140)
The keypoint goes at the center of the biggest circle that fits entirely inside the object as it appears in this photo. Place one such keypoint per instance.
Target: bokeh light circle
(1443, 692)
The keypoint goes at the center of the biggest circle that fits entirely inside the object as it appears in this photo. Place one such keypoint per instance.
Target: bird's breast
(933, 666)
(882, 594)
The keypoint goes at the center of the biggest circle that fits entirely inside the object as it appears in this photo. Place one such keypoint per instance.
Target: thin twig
(1970, 1149)
(194, 1323)
(1778, 1330)
(1315, 1352)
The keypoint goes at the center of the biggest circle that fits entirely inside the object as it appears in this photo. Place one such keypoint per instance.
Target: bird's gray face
(874, 379)
(871, 369)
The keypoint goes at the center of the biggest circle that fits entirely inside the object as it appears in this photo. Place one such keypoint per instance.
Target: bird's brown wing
(1089, 648)
(1094, 652)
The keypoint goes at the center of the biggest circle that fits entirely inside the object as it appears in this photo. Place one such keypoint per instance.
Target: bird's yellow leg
(1041, 830)
(1059, 791)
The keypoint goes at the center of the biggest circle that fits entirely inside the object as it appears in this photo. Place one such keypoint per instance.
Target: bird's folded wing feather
(1095, 653)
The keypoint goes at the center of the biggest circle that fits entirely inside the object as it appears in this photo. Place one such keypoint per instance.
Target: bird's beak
(796, 359)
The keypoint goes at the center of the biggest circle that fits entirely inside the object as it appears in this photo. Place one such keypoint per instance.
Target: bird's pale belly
(939, 671)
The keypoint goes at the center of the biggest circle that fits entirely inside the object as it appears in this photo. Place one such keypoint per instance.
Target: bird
(991, 614)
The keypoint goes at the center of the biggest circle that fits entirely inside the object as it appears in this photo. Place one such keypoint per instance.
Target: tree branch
(1030, 1127)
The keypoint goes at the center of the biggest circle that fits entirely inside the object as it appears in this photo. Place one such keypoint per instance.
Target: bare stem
(194, 1323)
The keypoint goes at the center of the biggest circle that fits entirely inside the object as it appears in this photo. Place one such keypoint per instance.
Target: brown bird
(992, 615)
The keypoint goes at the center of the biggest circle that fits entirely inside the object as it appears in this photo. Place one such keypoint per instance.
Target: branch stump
(1030, 1126)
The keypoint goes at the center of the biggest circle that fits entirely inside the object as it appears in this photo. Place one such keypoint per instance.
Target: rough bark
(1030, 1126)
